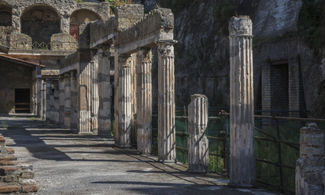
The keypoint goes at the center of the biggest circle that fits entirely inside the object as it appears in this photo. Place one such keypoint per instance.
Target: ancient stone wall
(64, 9)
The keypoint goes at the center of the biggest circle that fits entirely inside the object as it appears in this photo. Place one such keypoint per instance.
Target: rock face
(201, 60)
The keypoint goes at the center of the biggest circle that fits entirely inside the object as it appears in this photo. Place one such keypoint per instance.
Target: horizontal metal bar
(275, 164)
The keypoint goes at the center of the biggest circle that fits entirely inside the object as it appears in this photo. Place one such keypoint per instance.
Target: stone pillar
(144, 101)
(117, 61)
(242, 158)
(43, 100)
(74, 100)
(166, 103)
(310, 165)
(198, 151)
(49, 96)
(67, 101)
(84, 83)
(39, 92)
(61, 100)
(134, 99)
(104, 112)
(125, 110)
(94, 92)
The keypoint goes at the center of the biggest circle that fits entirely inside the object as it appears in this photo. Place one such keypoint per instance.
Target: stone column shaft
(67, 100)
(104, 112)
(94, 92)
(242, 158)
(198, 151)
(125, 107)
(61, 100)
(85, 85)
(166, 103)
(144, 101)
(74, 100)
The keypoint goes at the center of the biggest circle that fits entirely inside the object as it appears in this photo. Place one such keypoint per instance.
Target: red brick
(9, 188)
(7, 157)
(7, 162)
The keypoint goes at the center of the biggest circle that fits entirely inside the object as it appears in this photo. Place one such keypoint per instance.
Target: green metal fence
(276, 146)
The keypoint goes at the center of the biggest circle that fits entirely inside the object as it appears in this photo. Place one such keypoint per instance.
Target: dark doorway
(22, 100)
(280, 89)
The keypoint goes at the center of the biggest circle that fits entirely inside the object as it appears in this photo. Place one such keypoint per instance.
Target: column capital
(240, 26)
(166, 48)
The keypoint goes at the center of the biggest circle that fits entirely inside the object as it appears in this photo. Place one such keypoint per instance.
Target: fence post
(198, 152)
(310, 165)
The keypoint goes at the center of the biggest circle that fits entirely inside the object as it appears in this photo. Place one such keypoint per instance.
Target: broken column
(67, 100)
(310, 165)
(166, 102)
(198, 144)
(104, 112)
(125, 110)
(144, 101)
(242, 158)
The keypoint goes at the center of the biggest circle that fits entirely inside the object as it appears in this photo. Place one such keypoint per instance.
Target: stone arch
(40, 22)
(81, 16)
(5, 14)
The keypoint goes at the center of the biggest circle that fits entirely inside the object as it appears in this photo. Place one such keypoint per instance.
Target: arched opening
(5, 14)
(40, 22)
(81, 16)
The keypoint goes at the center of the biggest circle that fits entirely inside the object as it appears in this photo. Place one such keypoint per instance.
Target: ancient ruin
(100, 83)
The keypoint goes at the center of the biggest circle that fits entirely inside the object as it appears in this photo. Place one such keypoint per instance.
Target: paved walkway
(66, 163)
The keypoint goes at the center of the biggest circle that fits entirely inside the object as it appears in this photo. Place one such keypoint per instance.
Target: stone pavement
(67, 163)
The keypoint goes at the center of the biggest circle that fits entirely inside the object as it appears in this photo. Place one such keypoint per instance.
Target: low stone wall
(156, 22)
(15, 177)
(63, 42)
(100, 30)
(20, 41)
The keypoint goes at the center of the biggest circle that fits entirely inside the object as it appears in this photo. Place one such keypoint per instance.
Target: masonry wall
(13, 76)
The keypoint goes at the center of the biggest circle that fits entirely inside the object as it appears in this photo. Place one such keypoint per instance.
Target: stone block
(8, 170)
(63, 42)
(27, 175)
(20, 41)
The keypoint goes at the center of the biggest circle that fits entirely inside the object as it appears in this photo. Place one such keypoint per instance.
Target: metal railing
(276, 146)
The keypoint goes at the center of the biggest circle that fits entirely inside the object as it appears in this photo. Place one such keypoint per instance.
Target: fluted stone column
(133, 99)
(61, 100)
(118, 61)
(125, 109)
(104, 112)
(144, 101)
(242, 158)
(67, 101)
(94, 92)
(166, 103)
(85, 95)
(74, 100)
(198, 151)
